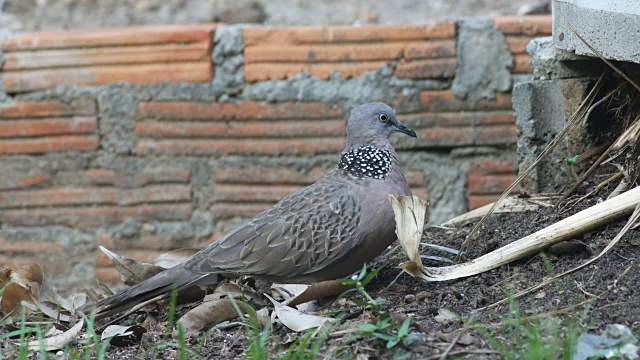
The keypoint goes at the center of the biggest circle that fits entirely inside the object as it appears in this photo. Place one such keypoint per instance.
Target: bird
(325, 231)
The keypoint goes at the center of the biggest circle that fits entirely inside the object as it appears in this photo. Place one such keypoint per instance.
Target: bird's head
(372, 124)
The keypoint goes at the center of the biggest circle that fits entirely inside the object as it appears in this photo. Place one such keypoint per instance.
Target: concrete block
(550, 62)
(542, 109)
(611, 27)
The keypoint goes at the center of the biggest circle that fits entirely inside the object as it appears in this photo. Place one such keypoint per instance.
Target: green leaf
(371, 275)
(368, 328)
(404, 329)
(572, 161)
(363, 272)
(347, 281)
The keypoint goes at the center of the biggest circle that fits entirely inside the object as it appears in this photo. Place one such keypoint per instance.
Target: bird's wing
(305, 232)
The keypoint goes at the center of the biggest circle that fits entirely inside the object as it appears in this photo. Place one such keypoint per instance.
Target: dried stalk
(570, 227)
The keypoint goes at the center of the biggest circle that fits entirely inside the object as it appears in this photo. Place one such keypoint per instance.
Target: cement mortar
(484, 61)
(228, 58)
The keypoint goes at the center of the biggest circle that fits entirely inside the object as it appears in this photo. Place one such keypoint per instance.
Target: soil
(606, 291)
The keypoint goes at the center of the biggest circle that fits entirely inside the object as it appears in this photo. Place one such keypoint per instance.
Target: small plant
(359, 283)
(571, 163)
(258, 339)
(385, 328)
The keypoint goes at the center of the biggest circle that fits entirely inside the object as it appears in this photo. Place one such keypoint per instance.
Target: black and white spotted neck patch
(367, 161)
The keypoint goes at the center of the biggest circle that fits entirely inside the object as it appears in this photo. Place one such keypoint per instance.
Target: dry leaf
(445, 316)
(122, 335)
(288, 291)
(173, 258)
(132, 271)
(24, 281)
(294, 319)
(208, 314)
(410, 214)
(57, 341)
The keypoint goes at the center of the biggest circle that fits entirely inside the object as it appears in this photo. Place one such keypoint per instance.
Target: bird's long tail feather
(160, 284)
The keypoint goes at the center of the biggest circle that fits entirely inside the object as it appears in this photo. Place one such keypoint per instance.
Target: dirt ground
(604, 293)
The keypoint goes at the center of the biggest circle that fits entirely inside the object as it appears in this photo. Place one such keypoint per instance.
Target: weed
(385, 328)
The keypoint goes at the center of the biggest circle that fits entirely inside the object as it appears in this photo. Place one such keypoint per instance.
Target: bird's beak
(400, 127)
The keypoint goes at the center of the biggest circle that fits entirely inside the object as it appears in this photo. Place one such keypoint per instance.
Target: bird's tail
(161, 284)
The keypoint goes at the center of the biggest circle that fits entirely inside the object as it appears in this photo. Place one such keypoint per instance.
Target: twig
(466, 352)
(453, 343)
(634, 217)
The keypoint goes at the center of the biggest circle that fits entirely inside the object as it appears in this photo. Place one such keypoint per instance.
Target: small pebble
(409, 298)
(422, 295)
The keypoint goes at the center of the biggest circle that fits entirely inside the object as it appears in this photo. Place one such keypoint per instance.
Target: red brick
(143, 35)
(274, 71)
(493, 166)
(57, 197)
(167, 175)
(269, 175)
(108, 275)
(30, 247)
(531, 25)
(45, 109)
(34, 180)
(237, 111)
(24, 81)
(168, 212)
(476, 201)
(438, 137)
(223, 211)
(242, 147)
(454, 119)
(40, 59)
(253, 193)
(430, 49)
(72, 217)
(46, 145)
(242, 130)
(522, 64)
(496, 135)
(155, 194)
(323, 53)
(445, 100)
(100, 176)
(76, 125)
(341, 34)
(349, 52)
(518, 44)
(91, 217)
(489, 184)
(427, 69)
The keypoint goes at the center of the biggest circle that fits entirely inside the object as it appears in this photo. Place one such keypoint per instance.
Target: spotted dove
(327, 230)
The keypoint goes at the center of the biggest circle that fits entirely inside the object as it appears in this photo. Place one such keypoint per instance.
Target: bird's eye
(383, 117)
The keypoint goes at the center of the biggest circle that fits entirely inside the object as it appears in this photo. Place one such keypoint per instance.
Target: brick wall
(149, 139)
